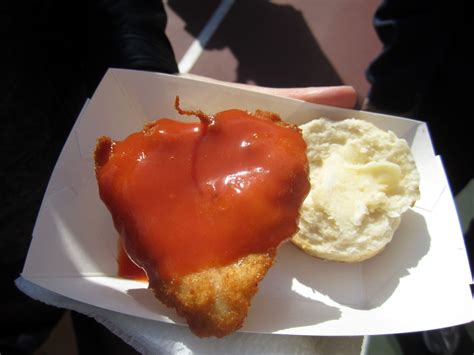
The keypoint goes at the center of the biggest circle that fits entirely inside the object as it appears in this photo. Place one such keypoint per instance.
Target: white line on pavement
(195, 50)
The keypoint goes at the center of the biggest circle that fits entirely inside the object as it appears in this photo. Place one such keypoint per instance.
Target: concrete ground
(280, 43)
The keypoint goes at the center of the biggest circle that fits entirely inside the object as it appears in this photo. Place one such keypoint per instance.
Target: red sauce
(188, 196)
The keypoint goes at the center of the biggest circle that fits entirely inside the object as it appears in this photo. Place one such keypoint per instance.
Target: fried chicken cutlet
(203, 206)
(215, 301)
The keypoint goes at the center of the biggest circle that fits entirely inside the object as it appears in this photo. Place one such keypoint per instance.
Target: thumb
(339, 96)
(343, 96)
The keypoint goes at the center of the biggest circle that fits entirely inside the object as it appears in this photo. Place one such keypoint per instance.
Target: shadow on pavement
(272, 43)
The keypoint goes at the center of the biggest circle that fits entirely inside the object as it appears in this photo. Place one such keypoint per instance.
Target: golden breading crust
(215, 301)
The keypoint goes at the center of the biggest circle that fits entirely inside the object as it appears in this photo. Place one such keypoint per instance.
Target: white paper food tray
(421, 281)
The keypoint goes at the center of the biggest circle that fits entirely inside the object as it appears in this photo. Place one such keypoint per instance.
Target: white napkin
(153, 337)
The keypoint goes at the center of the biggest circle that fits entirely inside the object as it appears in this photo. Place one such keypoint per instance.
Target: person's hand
(339, 96)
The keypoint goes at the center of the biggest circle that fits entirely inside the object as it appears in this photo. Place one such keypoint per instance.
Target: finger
(339, 96)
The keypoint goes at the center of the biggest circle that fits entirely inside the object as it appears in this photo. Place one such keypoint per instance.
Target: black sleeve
(127, 34)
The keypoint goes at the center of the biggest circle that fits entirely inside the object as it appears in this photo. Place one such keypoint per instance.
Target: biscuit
(362, 180)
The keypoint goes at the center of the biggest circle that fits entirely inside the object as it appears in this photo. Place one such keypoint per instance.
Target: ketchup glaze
(186, 196)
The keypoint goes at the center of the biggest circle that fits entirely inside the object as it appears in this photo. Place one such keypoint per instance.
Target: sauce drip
(189, 196)
(127, 268)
